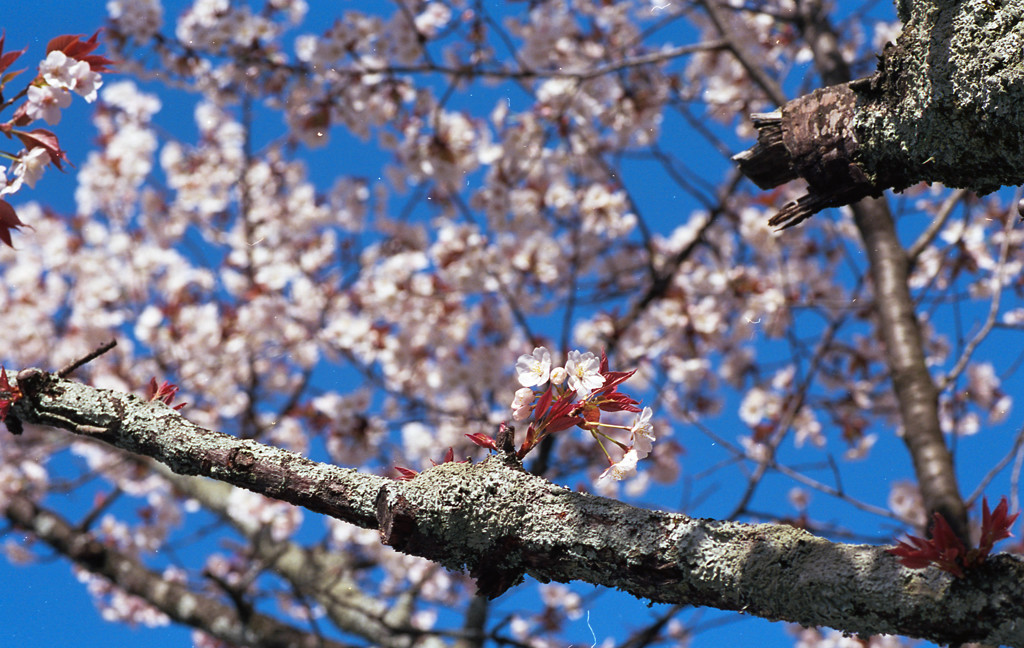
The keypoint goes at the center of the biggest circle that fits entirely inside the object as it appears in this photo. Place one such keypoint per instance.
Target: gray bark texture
(945, 105)
(500, 523)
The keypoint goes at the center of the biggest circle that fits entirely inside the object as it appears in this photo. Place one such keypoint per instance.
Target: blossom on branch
(642, 433)
(575, 396)
(623, 468)
(534, 369)
(46, 102)
(584, 372)
(70, 66)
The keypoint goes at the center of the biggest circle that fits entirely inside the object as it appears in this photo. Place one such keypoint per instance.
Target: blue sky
(45, 605)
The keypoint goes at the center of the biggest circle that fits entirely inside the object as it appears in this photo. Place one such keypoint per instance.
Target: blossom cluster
(70, 66)
(576, 394)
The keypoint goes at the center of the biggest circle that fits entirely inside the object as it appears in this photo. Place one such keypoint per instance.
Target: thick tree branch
(944, 106)
(500, 523)
(916, 392)
(173, 599)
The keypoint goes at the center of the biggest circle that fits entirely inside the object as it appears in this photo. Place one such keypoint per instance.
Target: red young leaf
(529, 442)
(42, 138)
(618, 402)
(8, 220)
(19, 118)
(541, 407)
(613, 379)
(944, 538)
(591, 416)
(448, 457)
(563, 423)
(9, 57)
(74, 47)
(944, 549)
(995, 526)
(405, 474)
(561, 416)
(482, 440)
(164, 393)
(9, 394)
(915, 554)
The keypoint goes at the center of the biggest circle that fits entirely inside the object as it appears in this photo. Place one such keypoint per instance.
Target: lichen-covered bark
(500, 522)
(946, 105)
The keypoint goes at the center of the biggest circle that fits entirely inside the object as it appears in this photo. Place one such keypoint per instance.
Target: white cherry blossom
(534, 369)
(583, 371)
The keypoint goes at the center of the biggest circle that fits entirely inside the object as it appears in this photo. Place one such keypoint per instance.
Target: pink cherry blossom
(46, 102)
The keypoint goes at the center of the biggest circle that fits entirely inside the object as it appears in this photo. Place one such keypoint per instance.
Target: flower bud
(558, 375)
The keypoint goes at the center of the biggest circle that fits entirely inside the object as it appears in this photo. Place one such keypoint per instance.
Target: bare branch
(173, 599)
(67, 369)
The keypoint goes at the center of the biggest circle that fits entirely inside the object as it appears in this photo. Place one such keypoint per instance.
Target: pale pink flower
(905, 501)
(433, 18)
(623, 468)
(559, 376)
(534, 369)
(758, 405)
(86, 82)
(642, 433)
(46, 103)
(60, 71)
(30, 165)
(799, 498)
(139, 18)
(524, 395)
(9, 186)
(522, 413)
(584, 371)
(56, 70)
(861, 449)
(522, 404)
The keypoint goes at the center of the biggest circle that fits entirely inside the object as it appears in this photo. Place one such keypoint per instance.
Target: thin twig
(993, 311)
(89, 357)
(927, 236)
(990, 475)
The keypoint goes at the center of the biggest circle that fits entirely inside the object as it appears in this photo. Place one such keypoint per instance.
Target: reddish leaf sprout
(165, 393)
(9, 394)
(405, 474)
(947, 552)
(74, 47)
(483, 440)
(8, 221)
